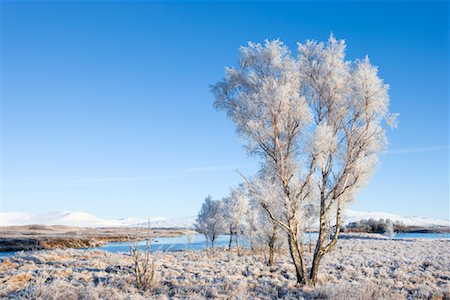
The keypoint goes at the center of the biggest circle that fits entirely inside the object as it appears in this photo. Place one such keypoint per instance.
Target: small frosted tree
(268, 234)
(389, 228)
(266, 231)
(251, 225)
(210, 220)
(235, 208)
(317, 122)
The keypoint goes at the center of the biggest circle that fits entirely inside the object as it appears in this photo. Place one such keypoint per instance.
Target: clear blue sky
(106, 107)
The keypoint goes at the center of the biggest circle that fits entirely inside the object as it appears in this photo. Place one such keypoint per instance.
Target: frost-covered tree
(251, 225)
(210, 220)
(258, 228)
(317, 122)
(235, 208)
(389, 229)
(265, 231)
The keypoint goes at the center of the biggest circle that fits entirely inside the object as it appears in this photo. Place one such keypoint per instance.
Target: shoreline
(43, 237)
(40, 237)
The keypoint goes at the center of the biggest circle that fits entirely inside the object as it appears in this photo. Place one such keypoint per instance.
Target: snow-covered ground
(82, 219)
(358, 268)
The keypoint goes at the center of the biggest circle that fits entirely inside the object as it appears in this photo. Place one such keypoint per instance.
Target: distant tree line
(385, 226)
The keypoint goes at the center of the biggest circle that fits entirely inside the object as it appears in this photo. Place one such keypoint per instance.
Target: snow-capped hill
(354, 216)
(82, 219)
(15, 218)
(186, 222)
(69, 218)
(138, 221)
(348, 217)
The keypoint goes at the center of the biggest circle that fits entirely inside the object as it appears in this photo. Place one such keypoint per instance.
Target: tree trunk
(231, 238)
(212, 243)
(271, 252)
(296, 261)
(272, 240)
(315, 268)
(237, 241)
(297, 258)
(318, 251)
(321, 249)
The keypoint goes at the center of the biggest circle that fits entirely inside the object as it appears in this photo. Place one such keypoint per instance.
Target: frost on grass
(362, 269)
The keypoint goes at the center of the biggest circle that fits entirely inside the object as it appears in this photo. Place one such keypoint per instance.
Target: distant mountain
(348, 216)
(69, 218)
(81, 219)
(186, 222)
(353, 216)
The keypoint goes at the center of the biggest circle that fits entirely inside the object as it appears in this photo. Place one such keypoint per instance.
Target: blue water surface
(197, 242)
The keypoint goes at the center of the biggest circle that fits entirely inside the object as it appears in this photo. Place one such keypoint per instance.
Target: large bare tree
(317, 121)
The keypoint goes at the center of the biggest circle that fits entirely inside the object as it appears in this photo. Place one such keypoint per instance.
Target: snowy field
(359, 268)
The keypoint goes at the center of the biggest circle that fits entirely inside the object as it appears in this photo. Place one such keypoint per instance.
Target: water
(8, 253)
(405, 235)
(178, 243)
(197, 242)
